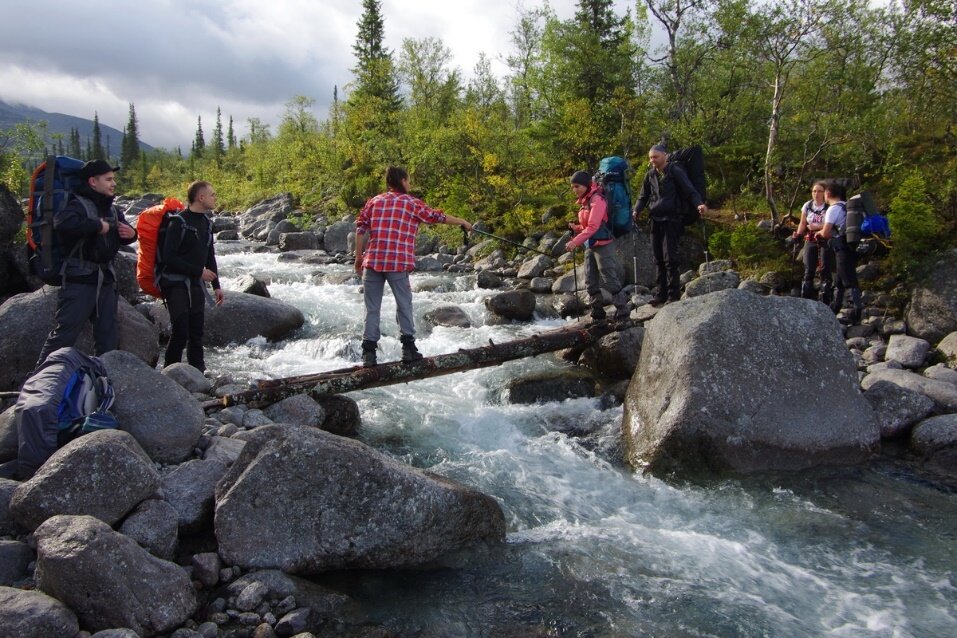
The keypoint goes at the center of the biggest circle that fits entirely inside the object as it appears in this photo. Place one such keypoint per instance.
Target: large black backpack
(691, 159)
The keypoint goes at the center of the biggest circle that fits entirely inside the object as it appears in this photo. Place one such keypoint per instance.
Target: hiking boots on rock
(409, 352)
(368, 354)
(597, 313)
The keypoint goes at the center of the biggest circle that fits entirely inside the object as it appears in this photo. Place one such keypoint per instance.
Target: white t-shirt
(836, 214)
(814, 214)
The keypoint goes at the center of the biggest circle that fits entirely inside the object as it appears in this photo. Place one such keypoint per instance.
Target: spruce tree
(230, 135)
(199, 144)
(374, 64)
(96, 151)
(74, 149)
(217, 145)
(130, 148)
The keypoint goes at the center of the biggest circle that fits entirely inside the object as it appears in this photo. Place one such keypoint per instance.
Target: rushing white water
(593, 549)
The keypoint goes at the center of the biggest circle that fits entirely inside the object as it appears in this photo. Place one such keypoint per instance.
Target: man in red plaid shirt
(385, 252)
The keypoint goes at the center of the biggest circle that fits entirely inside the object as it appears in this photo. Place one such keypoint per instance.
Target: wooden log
(344, 380)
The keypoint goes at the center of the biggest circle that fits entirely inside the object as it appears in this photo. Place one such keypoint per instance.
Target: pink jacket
(592, 214)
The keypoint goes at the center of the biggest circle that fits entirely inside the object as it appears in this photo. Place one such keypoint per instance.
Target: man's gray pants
(601, 262)
(77, 304)
(373, 285)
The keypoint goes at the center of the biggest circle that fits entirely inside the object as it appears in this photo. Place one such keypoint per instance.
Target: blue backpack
(51, 186)
(612, 176)
(85, 405)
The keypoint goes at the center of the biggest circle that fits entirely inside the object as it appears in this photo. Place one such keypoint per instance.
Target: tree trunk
(579, 335)
(772, 143)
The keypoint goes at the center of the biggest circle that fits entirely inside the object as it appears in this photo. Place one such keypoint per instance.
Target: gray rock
(565, 284)
(110, 580)
(244, 316)
(488, 280)
(206, 568)
(335, 503)
(227, 235)
(932, 312)
(342, 414)
(935, 440)
(516, 305)
(274, 209)
(943, 394)
(429, 263)
(15, 558)
(9, 439)
(616, 355)
(300, 409)
(863, 330)
(292, 591)
(897, 408)
(723, 280)
(884, 365)
(295, 623)
(875, 353)
(550, 386)
(449, 317)
(153, 525)
(104, 474)
(121, 633)
(336, 238)
(306, 240)
(940, 372)
(224, 450)
(189, 489)
(255, 418)
(8, 527)
(716, 265)
(752, 286)
(893, 327)
(948, 349)
(160, 414)
(911, 352)
(233, 414)
(723, 383)
(541, 285)
(535, 267)
(33, 614)
(252, 285)
(26, 319)
(251, 596)
(188, 377)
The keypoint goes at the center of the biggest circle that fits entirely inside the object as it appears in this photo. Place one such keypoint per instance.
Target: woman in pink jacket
(601, 259)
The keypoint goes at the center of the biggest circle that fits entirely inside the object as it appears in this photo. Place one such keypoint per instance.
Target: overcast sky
(179, 59)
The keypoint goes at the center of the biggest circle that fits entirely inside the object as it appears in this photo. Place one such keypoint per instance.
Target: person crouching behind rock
(385, 252)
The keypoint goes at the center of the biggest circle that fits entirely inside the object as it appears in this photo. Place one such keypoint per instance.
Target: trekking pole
(509, 241)
(634, 254)
(575, 272)
(704, 231)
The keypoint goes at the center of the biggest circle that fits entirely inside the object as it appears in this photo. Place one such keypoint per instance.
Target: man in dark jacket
(665, 190)
(89, 231)
(189, 262)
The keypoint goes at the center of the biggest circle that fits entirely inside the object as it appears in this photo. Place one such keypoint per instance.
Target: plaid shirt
(391, 221)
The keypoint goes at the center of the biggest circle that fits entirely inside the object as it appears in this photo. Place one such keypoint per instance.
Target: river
(592, 548)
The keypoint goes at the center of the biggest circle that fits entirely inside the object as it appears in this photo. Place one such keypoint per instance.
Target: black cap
(581, 178)
(96, 167)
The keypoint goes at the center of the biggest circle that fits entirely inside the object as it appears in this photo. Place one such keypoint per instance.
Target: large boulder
(942, 393)
(336, 238)
(713, 282)
(190, 489)
(448, 316)
(109, 580)
(27, 319)
(910, 352)
(15, 559)
(244, 316)
(104, 474)
(616, 355)
(269, 211)
(535, 267)
(33, 614)
(306, 501)
(514, 304)
(736, 381)
(342, 414)
(935, 440)
(306, 240)
(160, 414)
(300, 409)
(897, 408)
(932, 312)
(556, 385)
(154, 525)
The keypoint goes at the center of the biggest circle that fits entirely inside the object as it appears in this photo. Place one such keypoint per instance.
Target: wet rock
(153, 525)
(108, 579)
(714, 282)
(334, 503)
(33, 614)
(516, 305)
(104, 474)
(244, 316)
(943, 394)
(336, 238)
(252, 285)
(910, 352)
(935, 440)
(189, 489)
(449, 317)
(616, 355)
(535, 267)
(300, 409)
(541, 285)
(897, 408)
(188, 377)
(15, 558)
(723, 383)
(342, 414)
(550, 386)
(160, 414)
(305, 240)
(488, 281)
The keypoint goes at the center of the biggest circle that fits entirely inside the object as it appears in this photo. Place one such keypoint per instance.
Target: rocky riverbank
(193, 524)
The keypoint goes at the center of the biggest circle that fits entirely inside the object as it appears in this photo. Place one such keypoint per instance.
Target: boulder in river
(244, 316)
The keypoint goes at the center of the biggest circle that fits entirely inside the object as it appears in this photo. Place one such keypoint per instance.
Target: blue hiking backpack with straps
(612, 176)
(51, 186)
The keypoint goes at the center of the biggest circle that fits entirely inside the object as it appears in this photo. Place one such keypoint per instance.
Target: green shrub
(915, 228)
(719, 244)
(751, 245)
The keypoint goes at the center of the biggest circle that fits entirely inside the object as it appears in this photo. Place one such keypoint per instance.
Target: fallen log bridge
(268, 391)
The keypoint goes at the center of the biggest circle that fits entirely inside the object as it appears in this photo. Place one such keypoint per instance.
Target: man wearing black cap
(601, 260)
(664, 190)
(89, 231)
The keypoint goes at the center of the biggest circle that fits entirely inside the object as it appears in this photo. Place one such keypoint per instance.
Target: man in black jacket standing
(89, 231)
(665, 190)
(189, 262)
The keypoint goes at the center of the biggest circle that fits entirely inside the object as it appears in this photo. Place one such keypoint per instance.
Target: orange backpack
(148, 226)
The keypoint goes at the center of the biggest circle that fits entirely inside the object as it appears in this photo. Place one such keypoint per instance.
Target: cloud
(179, 59)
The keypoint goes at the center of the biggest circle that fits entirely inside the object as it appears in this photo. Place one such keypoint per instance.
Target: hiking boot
(658, 300)
(409, 352)
(368, 354)
(598, 313)
(622, 313)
